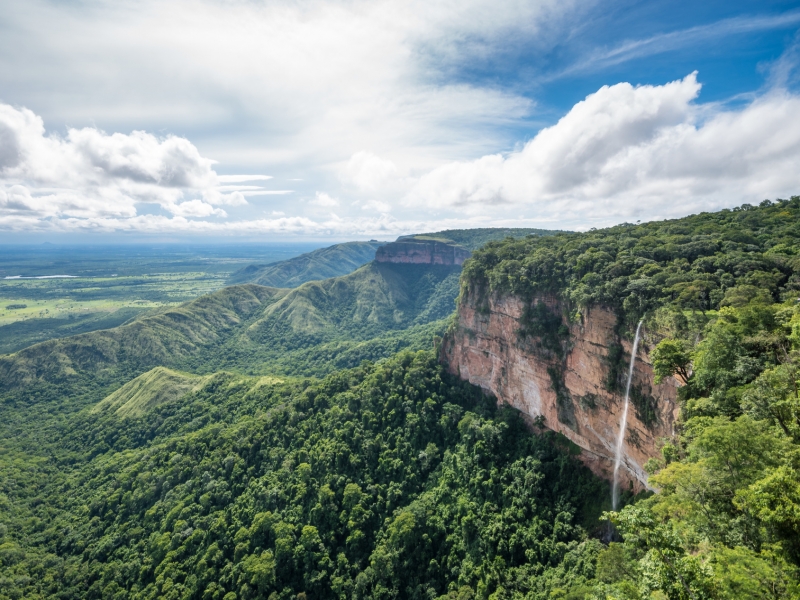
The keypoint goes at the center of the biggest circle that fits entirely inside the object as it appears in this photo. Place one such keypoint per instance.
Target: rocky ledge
(486, 348)
(422, 252)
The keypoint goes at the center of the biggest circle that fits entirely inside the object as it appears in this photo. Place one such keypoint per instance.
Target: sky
(304, 119)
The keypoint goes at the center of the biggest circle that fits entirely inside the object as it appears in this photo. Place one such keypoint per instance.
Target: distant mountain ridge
(323, 263)
(341, 259)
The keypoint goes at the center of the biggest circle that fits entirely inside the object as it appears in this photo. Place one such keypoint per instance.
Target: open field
(104, 286)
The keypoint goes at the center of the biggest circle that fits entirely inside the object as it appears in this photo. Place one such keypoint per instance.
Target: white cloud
(377, 205)
(368, 172)
(324, 200)
(237, 73)
(242, 178)
(195, 208)
(217, 197)
(90, 173)
(646, 151)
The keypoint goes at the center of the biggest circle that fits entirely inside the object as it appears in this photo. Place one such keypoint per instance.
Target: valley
(434, 417)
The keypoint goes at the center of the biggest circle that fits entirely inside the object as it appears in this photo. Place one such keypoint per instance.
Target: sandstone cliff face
(422, 252)
(487, 349)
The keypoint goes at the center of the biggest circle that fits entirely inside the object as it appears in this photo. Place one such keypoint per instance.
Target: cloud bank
(90, 174)
(625, 151)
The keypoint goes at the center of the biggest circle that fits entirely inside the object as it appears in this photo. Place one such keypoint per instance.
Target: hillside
(341, 259)
(390, 480)
(249, 328)
(324, 263)
(368, 314)
(547, 324)
(149, 390)
(185, 468)
(155, 339)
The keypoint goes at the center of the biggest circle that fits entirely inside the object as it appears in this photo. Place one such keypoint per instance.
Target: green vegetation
(107, 285)
(724, 524)
(723, 288)
(248, 445)
(312, 330)
(472, 239)
(324, 263)
(147, 391)
(388, 480)
(696, 264)
(26, 332)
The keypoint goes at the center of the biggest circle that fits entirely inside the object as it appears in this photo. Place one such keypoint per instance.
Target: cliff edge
(567, 377)
(422, 251)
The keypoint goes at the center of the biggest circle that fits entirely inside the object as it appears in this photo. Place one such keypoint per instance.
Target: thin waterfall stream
(623, 422)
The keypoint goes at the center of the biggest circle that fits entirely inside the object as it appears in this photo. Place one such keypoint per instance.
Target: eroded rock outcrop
(422, 252)
(570, 392)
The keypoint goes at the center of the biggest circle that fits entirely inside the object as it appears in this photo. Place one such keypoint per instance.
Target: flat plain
(51, 291)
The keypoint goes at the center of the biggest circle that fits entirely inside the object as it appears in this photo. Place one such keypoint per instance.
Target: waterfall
(623, 422)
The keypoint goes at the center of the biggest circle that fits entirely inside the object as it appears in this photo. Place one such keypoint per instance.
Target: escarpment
(567, 377)
(422, 251)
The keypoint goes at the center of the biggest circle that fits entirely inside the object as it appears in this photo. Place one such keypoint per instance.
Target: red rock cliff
(424, 252)
(487, 349)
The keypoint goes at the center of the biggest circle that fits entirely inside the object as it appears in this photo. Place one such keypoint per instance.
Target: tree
(672, 358)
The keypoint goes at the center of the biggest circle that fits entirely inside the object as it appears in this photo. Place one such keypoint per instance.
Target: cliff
(568, 388)
(422, 251)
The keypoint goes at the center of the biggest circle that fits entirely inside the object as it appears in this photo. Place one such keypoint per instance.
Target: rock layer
(487, 349)
(421, 252)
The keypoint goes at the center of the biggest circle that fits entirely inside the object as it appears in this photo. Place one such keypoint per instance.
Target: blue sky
(342, 120)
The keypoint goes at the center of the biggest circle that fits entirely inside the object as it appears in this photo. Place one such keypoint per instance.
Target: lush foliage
(320, 326)
(726, 522)
(698, 263)
(472, 239)
(389, 480)
(723, 288)
(394, 479)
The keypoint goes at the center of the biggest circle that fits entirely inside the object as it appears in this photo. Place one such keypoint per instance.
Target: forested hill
(204, 461)
(341, 259)
(722, 292)
(324, 263)
(472, 239)
(387, 481)
(311, 330)
(698, 263)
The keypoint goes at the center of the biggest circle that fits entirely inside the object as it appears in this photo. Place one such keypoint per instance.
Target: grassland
(108, 286)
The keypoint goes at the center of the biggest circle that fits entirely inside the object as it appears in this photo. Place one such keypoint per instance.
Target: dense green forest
(269, 461)
(384, 481)
(723, 291)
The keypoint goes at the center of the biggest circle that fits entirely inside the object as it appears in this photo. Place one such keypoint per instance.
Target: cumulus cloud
(644, 151)
(323, 200)
(89, 173)
(281, 65)
(195, 208)
(235, 198)
(377, 205)
(368, 172)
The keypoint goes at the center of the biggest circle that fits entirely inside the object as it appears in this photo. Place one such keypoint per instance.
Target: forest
(723, 291)
(236, 473)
